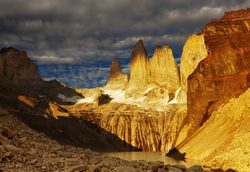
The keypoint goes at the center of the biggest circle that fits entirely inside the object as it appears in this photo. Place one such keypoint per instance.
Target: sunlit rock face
(164, 70)
(144, 129)
(155, 81)
(194, 51)
(139, 71)
(225, 72)
(17, 67)
(117, 79)
(222, 141)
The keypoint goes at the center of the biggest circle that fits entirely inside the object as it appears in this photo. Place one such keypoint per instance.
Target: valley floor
(24, 149)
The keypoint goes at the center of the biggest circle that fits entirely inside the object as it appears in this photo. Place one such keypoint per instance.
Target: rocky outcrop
(117, 79)
(149, 78)
(139, 71)
(222, 141)
(164, 71)
(17, 67)
(225, 72)
(194, 51)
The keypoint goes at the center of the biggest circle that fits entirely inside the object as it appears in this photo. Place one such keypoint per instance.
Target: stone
(103, 99)
(23, 139)
(173, 169)
(33, 161)
(32, 151)
(8, 133)
(182, 167)
(13, 149)
(104, 169)
(117, 79)
(124, 169)
(195, 168)
(156, 165)
(7, 155)
(162, 170)
(4, 140)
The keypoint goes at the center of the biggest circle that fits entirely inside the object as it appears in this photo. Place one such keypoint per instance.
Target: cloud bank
(95, 31)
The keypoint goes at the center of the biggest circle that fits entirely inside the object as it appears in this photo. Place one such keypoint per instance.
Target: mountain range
(199, 109)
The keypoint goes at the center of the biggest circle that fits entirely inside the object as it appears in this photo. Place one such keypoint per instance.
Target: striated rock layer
(117, 79)
(225, 72)
(144, 129)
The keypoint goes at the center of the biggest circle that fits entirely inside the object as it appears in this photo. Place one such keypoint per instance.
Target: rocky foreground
(24, 149)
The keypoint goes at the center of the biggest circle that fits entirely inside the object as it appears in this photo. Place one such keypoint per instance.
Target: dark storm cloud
(88, 31)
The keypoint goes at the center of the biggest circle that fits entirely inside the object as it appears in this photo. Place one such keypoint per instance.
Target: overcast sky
(94, 31)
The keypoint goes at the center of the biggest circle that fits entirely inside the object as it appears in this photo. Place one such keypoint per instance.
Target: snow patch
(86, 100)
(118, 96)
(49, 78)
(68, 99)
(174, 101)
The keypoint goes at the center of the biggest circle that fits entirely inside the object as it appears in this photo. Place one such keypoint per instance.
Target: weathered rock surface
(139, 71)
(16, 66)
(164, 71)
(194, 51)
(225, 72)
(144, 129)
(222, 141)
(117, 79)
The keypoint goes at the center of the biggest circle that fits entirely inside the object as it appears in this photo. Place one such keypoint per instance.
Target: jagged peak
(160, 50)
(12, 50)
(139, 51)
(239, 14)
(8, 49)
(115, 67)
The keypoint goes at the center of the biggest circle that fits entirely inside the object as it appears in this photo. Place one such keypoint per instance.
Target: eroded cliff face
(194, 51)
(139, 71)
(225, 72)
(17, 67)
(164, 70)
(117, 79)
(144, 129)
(222, 141)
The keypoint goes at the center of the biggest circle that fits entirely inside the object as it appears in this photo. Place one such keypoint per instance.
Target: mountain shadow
(76, 132)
